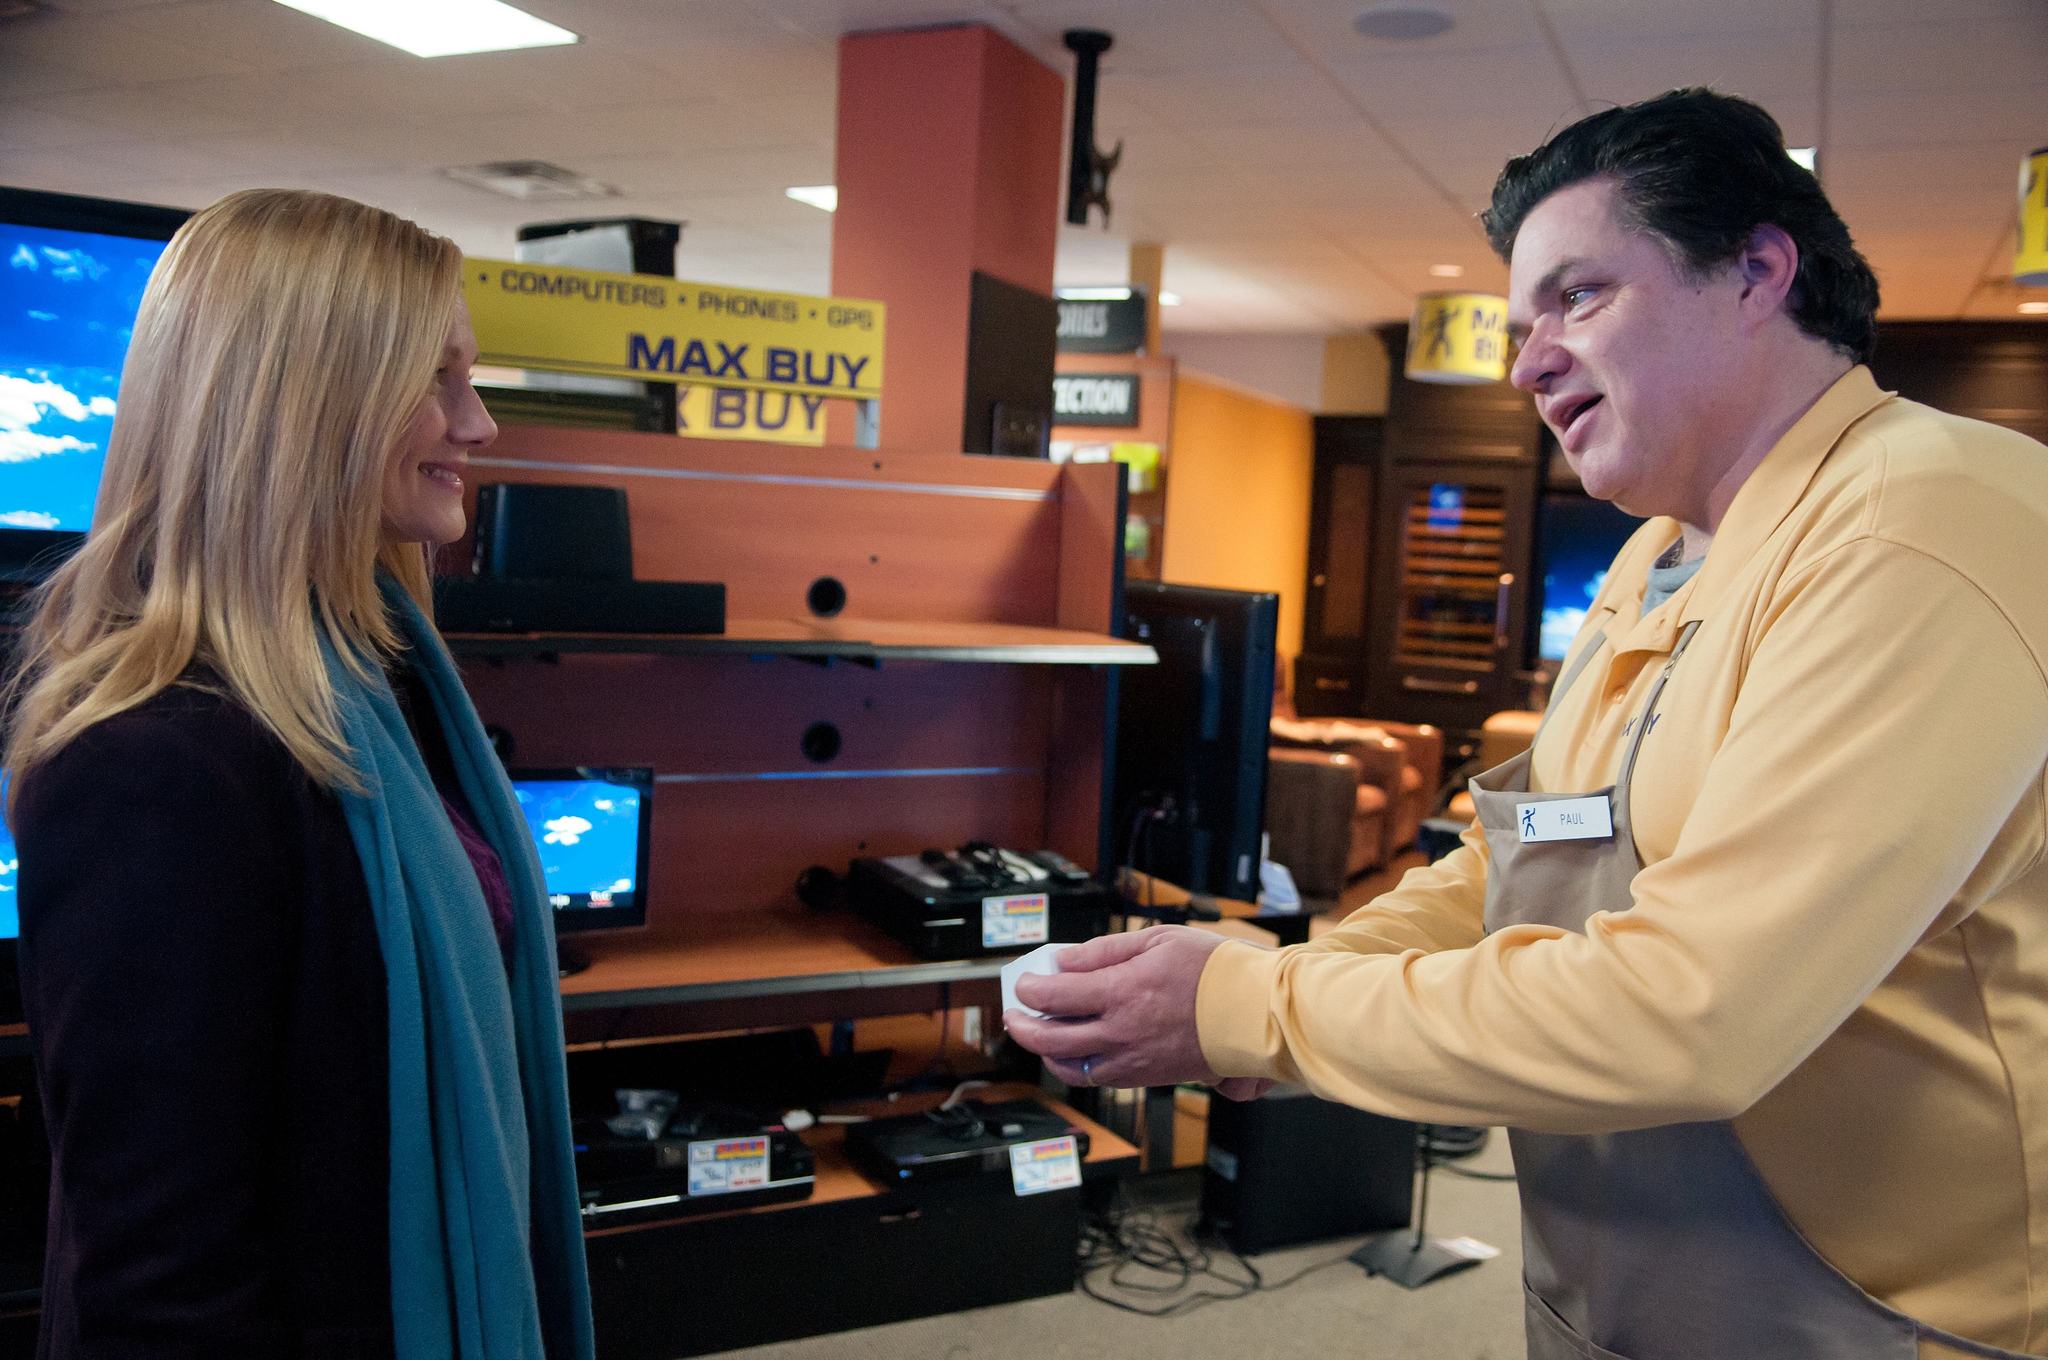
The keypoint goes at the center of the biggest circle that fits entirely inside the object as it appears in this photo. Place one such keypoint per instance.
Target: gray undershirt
(1667, 574)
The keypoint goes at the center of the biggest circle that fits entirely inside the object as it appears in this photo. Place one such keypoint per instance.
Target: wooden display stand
(964, 689)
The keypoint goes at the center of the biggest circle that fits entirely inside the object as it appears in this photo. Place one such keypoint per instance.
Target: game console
(979, 900)
(972, 1138)
(703, 1159)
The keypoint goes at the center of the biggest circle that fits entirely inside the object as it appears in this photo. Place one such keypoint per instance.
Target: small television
(591, 828)
(1577, 538)
(74, 273)
(1190, 780)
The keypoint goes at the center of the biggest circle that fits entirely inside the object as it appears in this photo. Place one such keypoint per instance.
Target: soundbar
(471, 604)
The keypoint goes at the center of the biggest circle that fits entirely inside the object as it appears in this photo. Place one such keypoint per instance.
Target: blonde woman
(284, 949)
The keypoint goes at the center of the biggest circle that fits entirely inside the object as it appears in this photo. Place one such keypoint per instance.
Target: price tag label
(1022, 918)
(719, 1166)
(1052, 1164)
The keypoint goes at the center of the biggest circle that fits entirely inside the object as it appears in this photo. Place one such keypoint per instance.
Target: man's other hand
(1122, 1010)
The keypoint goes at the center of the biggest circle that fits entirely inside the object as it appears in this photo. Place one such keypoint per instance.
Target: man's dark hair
(1700, 171)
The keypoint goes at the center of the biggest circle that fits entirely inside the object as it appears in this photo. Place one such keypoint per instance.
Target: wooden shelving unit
(863, 640)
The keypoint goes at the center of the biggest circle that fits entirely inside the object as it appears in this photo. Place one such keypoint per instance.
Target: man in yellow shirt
(1750, 952)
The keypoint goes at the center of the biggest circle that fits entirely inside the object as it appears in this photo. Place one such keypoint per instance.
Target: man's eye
(1572, 297)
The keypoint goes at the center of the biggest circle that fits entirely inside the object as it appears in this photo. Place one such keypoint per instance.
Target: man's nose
(1540, 360)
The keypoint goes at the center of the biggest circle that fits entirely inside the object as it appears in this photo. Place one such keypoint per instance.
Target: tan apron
(1662, 1243)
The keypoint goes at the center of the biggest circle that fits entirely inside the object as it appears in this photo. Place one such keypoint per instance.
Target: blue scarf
(486, 1236)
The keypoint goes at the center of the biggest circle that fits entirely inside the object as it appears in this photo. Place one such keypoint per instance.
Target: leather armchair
(1360, 787)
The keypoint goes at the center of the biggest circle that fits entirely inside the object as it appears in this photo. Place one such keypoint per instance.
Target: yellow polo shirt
(1840, 937)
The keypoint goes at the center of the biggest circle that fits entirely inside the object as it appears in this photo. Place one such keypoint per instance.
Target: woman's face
(423, 484)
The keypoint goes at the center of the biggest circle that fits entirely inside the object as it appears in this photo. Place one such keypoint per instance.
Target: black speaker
(1291, 1167)
(1011, 334)
(533, 531)
(472, 604)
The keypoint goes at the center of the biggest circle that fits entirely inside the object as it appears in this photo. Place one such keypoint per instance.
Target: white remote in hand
(1044, 959)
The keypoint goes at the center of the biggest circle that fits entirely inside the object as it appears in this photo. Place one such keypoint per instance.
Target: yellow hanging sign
(2030, 259)
(751, 413)
(666, 330)
(1458, 338)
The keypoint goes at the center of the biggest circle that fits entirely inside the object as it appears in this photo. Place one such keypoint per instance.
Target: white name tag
(1565, 819)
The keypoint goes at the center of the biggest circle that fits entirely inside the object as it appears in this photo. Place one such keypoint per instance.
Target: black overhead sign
(1111, 327)
(1095, 399)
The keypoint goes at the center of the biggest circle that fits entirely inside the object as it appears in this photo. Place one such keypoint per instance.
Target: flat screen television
(74, 275)
(591, 828)
(1576, 540)
(1190, 781)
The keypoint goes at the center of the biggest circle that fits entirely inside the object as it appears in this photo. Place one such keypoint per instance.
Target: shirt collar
(1770, 492)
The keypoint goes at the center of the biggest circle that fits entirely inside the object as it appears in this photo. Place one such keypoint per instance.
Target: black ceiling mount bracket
(1088, 170)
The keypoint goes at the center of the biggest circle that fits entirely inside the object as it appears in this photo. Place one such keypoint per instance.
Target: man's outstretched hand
(1125, 1008)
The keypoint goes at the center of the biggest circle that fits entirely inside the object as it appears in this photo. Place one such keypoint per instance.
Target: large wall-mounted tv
(74, 271)
(1576, 540)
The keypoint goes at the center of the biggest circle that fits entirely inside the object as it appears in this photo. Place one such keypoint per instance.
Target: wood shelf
(728, 956)
(865, 640)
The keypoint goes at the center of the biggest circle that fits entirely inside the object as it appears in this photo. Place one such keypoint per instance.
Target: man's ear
(1769, 267)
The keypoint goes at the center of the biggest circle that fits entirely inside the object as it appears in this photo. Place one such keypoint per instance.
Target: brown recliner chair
(1345, 797)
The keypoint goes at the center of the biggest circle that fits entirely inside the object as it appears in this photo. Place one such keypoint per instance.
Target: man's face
(1634, 367)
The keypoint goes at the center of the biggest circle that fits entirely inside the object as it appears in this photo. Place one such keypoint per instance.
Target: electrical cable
(1471, 1175)
(1121, 1247)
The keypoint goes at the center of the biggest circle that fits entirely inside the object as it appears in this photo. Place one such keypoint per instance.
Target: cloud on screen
(29, 519)
(24, 402)
(565, 830)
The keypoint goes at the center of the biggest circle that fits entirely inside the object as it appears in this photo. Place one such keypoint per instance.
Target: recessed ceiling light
(438, 28)
(1447, 271)
(1094, 294)
(1169, 299)
(1805, 157)
(2034, 309)
(1403, 20)
(824, 196)
(532, 181)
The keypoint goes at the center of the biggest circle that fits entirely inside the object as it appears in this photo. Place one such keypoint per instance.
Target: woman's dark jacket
(205, 999)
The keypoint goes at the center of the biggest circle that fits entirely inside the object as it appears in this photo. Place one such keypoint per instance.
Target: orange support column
(948, 162)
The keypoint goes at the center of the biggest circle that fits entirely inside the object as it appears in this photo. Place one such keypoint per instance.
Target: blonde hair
(284, 344)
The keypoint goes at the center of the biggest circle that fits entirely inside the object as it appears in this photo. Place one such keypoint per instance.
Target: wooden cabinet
(1451, 564)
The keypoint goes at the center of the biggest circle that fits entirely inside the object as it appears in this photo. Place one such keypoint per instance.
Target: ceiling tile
(1154, 37)
(1578, 22)
(1324, 27)
(109, 51)
(1881, 118)
(1520, 85)
(1246, 95)
(1939, 57)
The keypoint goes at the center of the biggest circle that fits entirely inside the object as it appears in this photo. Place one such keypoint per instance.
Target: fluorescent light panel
(1805, 157)
(1167, 299)
(2034, 309)
(824, 196)
(438, 28)
(1446, 271)
(1093, 294)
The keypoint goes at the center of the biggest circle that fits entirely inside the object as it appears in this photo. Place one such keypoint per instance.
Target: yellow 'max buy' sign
(666, 330)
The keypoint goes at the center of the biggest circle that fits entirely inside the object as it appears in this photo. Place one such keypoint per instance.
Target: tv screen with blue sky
(588, 834)
(1577, 538)
(67, 309)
